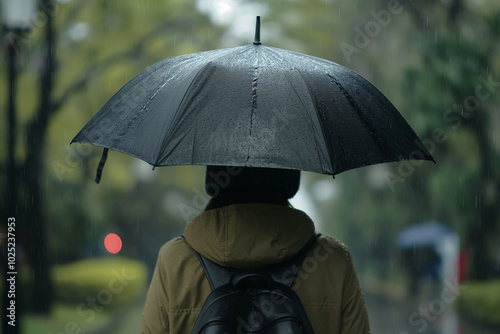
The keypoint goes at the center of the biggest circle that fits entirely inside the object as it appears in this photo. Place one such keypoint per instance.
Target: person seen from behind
(249, 223)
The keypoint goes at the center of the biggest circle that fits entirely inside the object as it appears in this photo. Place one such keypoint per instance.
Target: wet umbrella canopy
(254, 106)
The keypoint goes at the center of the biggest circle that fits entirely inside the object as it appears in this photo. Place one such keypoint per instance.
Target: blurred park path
(392, 316)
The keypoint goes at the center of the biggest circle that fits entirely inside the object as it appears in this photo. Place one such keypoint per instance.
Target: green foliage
(100, 46)
(480, 301)
(110, 282)
(429, 61)
(63, 319)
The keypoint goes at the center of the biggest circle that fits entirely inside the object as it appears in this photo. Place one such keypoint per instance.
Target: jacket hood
(244, 236)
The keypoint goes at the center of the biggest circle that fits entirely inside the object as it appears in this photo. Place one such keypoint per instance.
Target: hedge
(480, 301)
(110, 282)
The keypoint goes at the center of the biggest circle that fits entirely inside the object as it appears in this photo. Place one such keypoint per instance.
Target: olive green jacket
(252, 235)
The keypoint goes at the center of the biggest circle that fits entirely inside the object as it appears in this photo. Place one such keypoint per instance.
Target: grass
(131, 323)
(64, 319)
(93, 296)
(480, 301)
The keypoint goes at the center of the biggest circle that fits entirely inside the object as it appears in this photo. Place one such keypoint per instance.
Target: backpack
(253, 301)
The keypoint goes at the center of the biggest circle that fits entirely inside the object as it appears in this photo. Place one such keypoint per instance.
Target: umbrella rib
(359, 112)
(164, 141)
(152, 69)
(319, 121)
(321, 62)
(255, 83)
(193, 81)
(301, 76)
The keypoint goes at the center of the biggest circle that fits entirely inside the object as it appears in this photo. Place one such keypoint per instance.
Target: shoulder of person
(175, 247)
(332, 246)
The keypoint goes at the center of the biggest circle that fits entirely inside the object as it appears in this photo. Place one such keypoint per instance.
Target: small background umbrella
(434, 247)
(253, 106)
(423, 235)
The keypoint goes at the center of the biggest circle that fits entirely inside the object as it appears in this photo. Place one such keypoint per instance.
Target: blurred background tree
(437, 61)
(76, 55)
(459, 47)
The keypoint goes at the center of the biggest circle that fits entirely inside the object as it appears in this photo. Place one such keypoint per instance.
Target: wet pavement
(418, 316)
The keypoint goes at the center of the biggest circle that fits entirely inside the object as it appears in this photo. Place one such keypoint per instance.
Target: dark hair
(247, 195)
(236, 185)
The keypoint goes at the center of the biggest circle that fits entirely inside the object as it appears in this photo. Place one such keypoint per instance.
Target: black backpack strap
(217, 275)
(283, 272)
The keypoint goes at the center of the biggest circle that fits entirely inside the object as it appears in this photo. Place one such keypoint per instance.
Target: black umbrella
(254, 106)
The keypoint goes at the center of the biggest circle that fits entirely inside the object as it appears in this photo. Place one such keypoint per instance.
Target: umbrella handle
(257, 32)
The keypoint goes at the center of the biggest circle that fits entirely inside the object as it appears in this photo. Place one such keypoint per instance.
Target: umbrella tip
(257, 32)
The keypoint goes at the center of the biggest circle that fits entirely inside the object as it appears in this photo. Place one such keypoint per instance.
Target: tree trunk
(11, 195)
(36, 240)
(486, 200)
